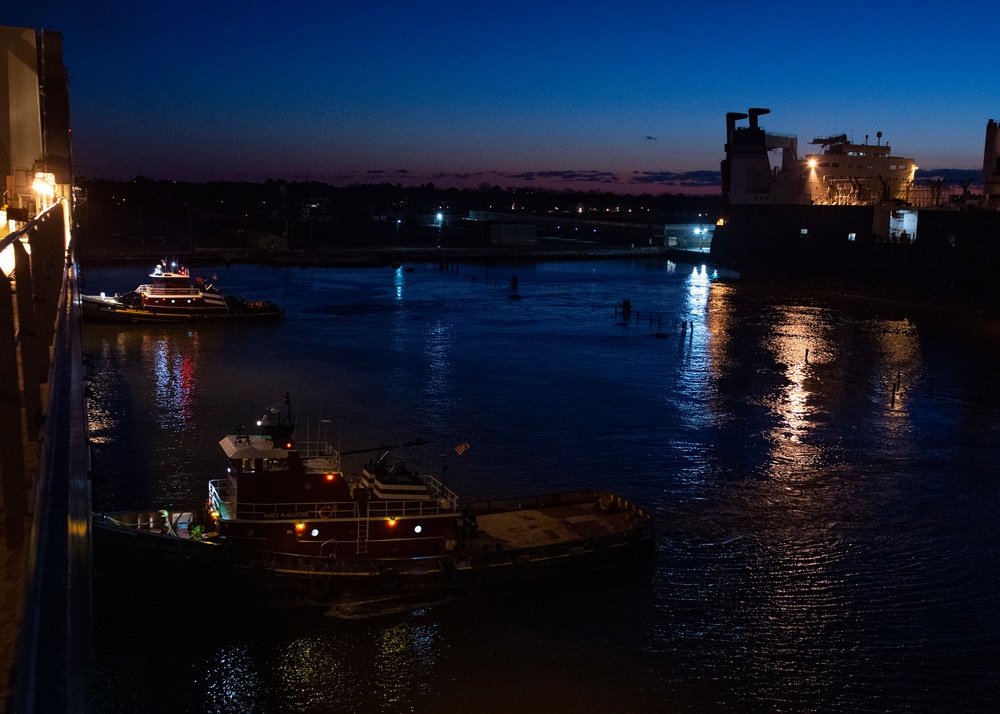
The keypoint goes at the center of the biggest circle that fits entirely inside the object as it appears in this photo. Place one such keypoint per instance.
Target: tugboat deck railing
(168, 290)
(318, 450)
(442, 501)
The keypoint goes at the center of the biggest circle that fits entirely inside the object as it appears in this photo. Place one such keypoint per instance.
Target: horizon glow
(630, 99)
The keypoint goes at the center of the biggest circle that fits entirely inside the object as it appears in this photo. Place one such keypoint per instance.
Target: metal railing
(43, 461)
(159, 291)
(442, 500)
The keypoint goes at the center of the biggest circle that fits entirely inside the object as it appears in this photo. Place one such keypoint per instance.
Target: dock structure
(45, 607)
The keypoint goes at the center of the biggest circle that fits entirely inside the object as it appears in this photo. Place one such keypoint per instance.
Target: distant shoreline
(387, 257)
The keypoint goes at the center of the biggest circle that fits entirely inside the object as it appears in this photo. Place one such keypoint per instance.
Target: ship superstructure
(851, 212)
(172, 286)
(762, 167)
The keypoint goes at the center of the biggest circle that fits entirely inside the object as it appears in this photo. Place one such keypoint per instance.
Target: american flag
(462, 448)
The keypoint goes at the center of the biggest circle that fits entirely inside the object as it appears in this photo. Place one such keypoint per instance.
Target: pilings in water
(623, 315)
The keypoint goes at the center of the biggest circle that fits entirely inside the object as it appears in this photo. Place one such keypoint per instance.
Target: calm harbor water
(827, 522)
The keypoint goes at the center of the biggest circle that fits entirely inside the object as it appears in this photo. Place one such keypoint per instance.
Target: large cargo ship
(853, 213)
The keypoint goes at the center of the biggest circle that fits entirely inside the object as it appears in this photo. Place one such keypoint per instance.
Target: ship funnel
(731, 119)
(991, 162)
(754, 113)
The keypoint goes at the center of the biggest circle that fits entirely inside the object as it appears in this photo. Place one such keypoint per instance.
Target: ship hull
(598, 531)
(109, 311)
(954, 253)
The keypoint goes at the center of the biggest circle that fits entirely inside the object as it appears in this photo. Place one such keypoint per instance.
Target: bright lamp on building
(44, 184)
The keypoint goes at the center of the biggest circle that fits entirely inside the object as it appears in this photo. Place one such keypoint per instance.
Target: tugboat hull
(102, 310)
(517, 540)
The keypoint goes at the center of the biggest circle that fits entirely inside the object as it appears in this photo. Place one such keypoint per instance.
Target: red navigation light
(299, 527)
(288, 445)
(392, 521)
(330, 477)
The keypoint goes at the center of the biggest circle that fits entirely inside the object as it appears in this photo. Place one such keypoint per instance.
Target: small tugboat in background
(287, 527)
(172, 297)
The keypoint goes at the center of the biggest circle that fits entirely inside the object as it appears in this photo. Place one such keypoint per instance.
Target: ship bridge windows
(251, 465)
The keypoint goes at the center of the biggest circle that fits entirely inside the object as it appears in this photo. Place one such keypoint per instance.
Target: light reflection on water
(823, 544)
(174, 368)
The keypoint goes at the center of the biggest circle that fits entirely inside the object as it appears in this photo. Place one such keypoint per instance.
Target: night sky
(624, 97)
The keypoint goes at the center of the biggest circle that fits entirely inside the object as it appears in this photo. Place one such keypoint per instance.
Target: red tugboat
(172, 297)
(290, 527)
(293, 498)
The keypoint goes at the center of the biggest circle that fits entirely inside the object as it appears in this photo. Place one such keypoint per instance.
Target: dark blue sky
(626, 97)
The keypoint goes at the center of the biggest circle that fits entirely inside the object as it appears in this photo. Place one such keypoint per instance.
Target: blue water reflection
(826, 521)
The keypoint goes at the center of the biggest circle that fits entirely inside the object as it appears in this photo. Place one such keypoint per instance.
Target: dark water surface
(827, 525)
